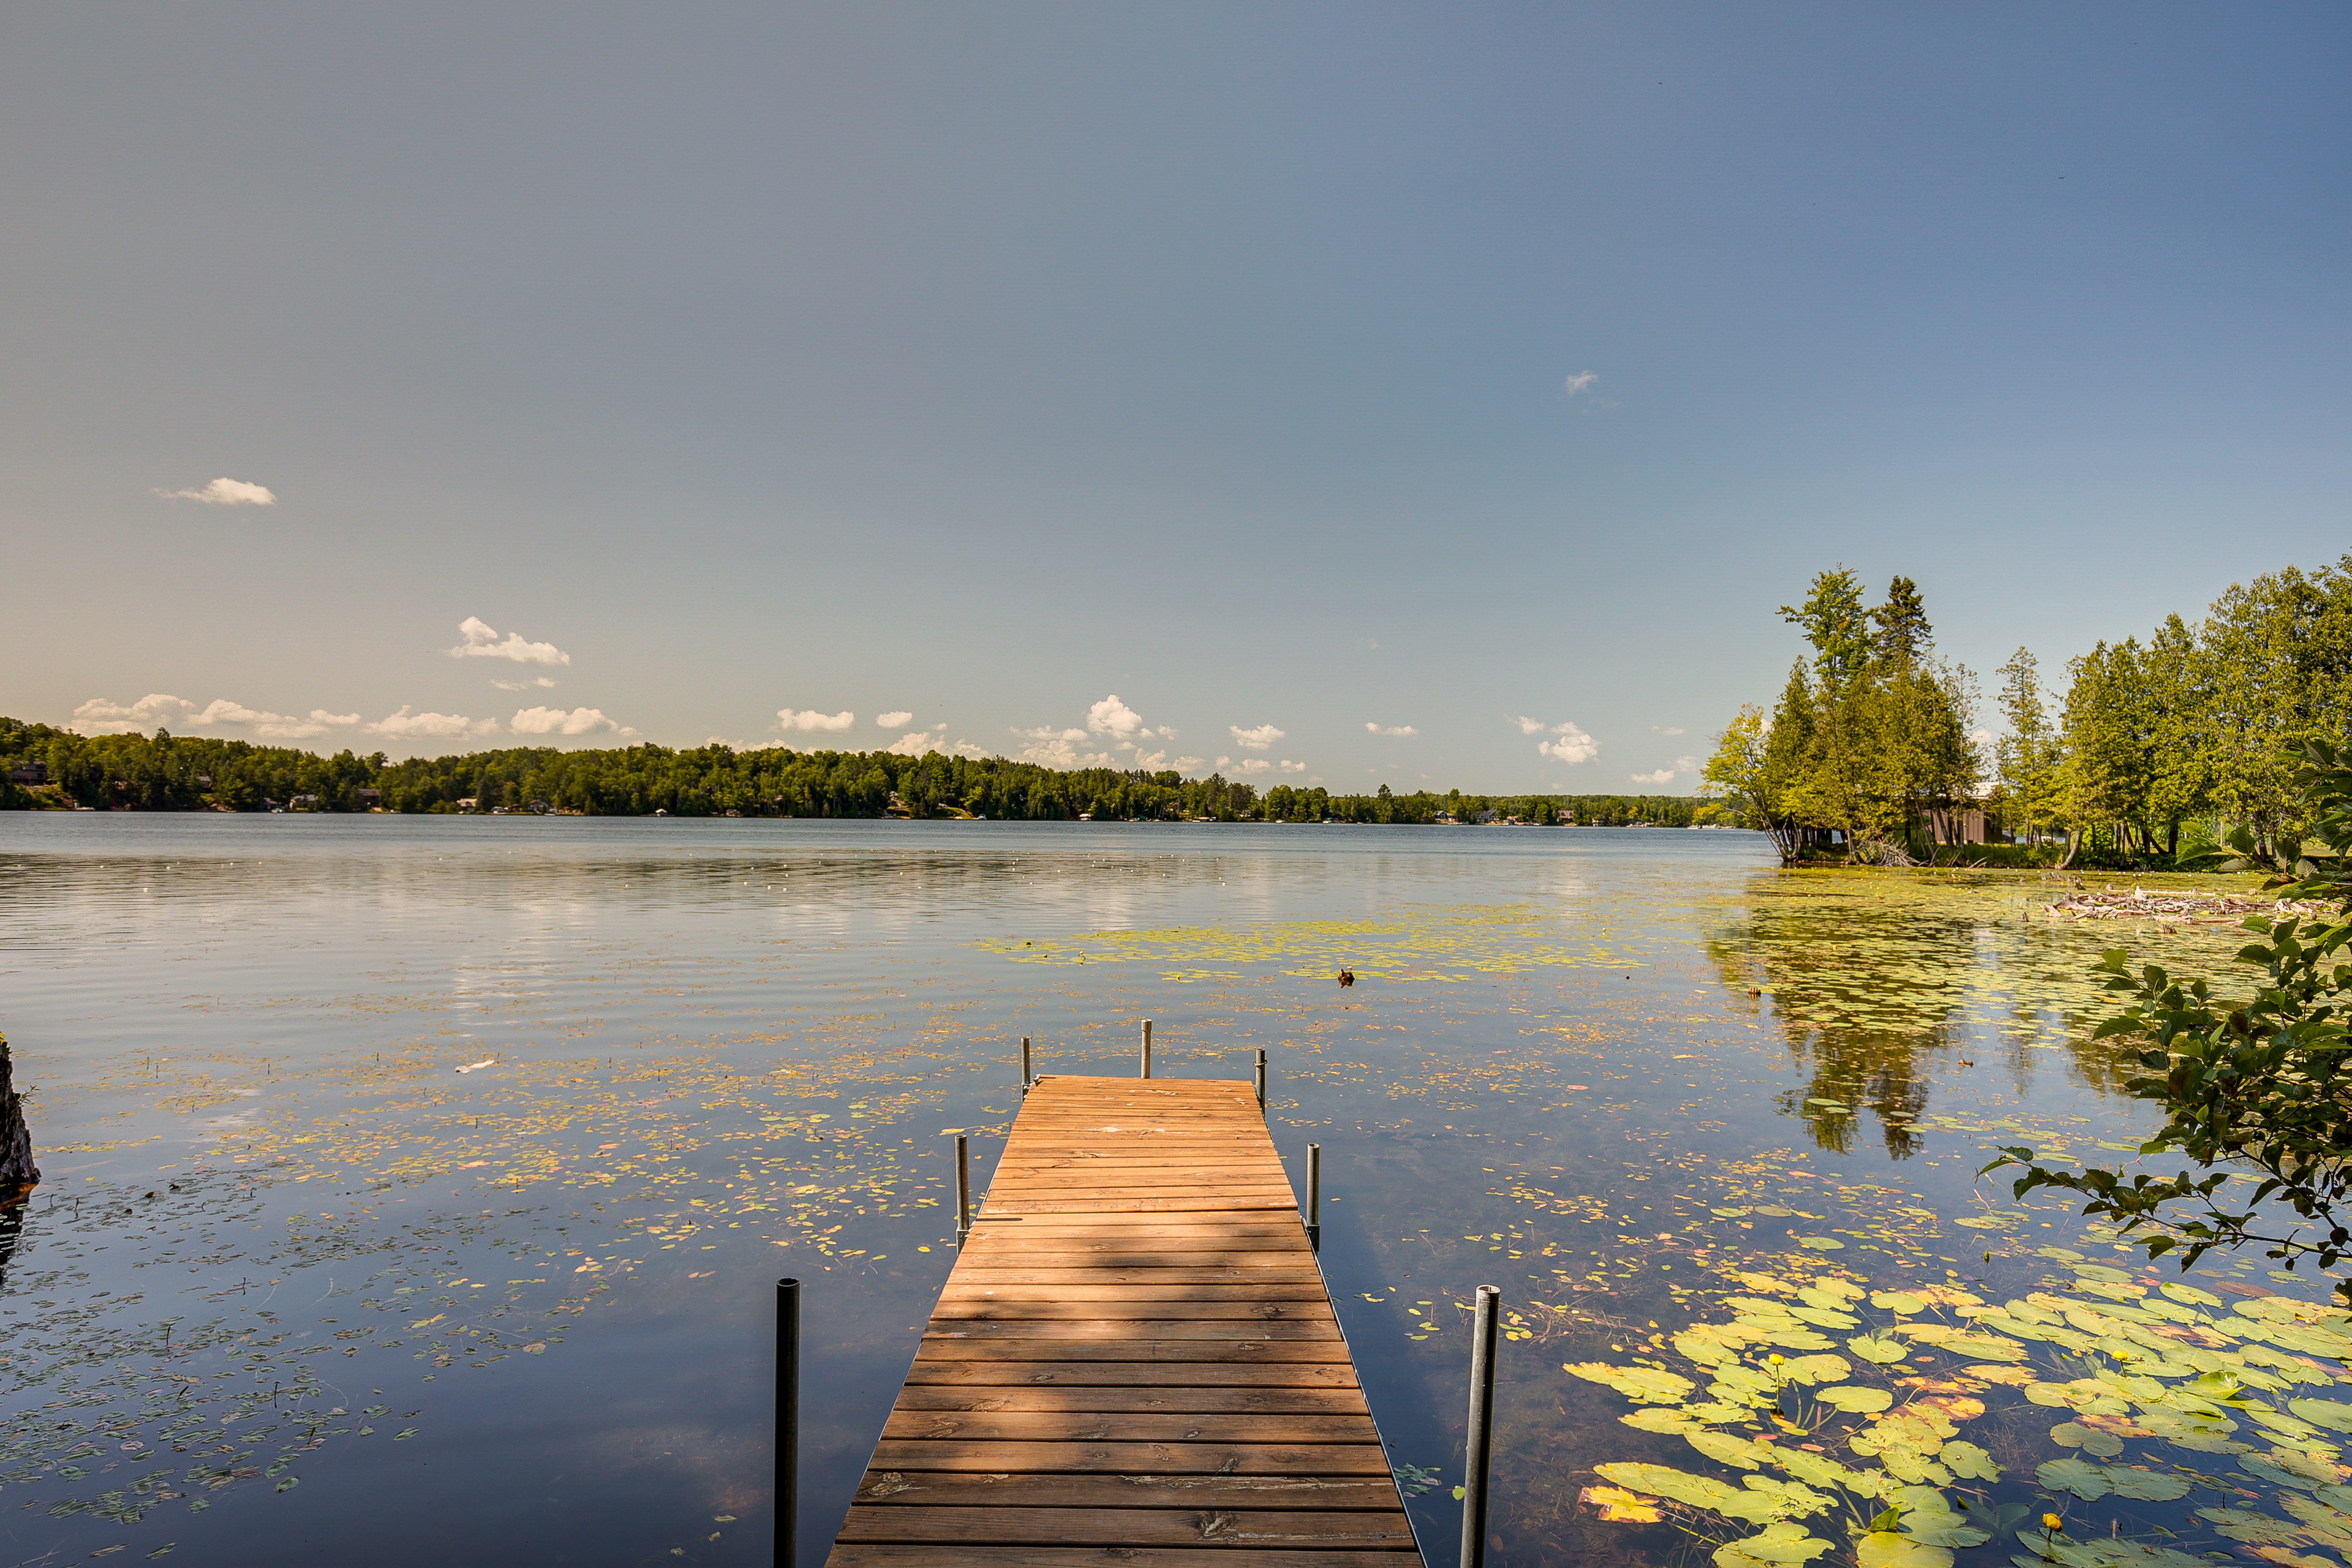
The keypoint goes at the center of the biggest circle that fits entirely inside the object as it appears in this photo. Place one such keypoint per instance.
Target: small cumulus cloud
(1252, 766)
(1663, 776)
(404, 725)
(1581, 382)
(1186, 764)
(897, 721)
(479, 639)
(1116, 719)
(1294, 767)
(1530, 726)
(810, 718)
(1057, 750)
(1150, 759)
(1685, 764)
(1256, 740)
(523, 685)
(1398, 729)
(1047, 732)
(225, 492)
(556, 721)
(1665, 730)
(1568, 744)
(1980, 737)
(915, 742)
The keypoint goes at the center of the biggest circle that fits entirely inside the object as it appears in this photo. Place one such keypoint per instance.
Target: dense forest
(60, 770)
(2154, 750)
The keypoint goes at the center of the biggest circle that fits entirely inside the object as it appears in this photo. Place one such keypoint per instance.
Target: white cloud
(225, 492)
(1397, 730)
(523, 685)
(1148, 760)
(1580, 382)
(1530, 726)
(479, 639)
(1257, 740)
(1186, 764)
(404, 724)
(1668, 730)
(965, 749)
(1980, 737)
(915, 742)
(899, 720)
(159, 709)
(1111, 717)
(1685, 764)
(556, 721)
(810, 718)
(1294, 767)
(1054, 748)
(1252, 766)
(1573, 746)
(1663, 776)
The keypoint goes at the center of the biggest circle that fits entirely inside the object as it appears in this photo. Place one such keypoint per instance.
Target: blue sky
(1492, 371)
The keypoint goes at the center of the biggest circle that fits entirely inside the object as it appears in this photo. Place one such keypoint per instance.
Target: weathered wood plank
(894, 1555)
(1053, 1426)
(1129, 1527)
(1148, 1400)
(991, 1371)
(937, 1347)
(991, 1308)
(964, 1488)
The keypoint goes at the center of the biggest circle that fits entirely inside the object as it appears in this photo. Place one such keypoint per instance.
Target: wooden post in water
(788, 1421)
(1146, 1071)
(1026, 1080)
(963, 1188)
(1315, 1196)
(1478, 1441)
(1261, 1078)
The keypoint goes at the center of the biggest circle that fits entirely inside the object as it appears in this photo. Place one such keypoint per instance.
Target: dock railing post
(788, 1421)
(1315, 1196)
(1478, 1441)
(1261, 1078)
(1146, 1071)
(1027, 1081)
(963, 1188)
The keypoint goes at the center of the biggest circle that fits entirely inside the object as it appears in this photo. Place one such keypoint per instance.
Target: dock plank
(1135, 1359)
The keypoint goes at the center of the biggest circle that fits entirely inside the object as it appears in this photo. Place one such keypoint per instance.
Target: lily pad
(1655, 1419)
(2248, 1525)
(1728, 1449)
(1878, 1347)
(1969, 1460)
(2147, 1485)
(2090, 1439)
(1855, 1399)
(1983, 1222)
(1822, 1243)
(2080, 1477)
(2331, 1413)
(1812, 1369)
(1888, 1549)
(1648, 1385)
(1778, 1544)
(1900, 1302)
(2190, 1294)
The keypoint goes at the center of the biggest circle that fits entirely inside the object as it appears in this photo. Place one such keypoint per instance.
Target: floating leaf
(1856, 1400)
(1900, 1302)
(2248, 1525)
(2331, 1413)
(2191, 1294)
(1664, 1480)
(2321, 1521)
(2083, 1478)
(1812, 1369)
(1615, 1505)
(1822, 1243)
(2071, 1434)
(1878, 1347)
(1983, 1222)
(1778, 1544)
(1969, 1460)
(1656, 1419)
(1728, 1449)
(1646, 1384)
(2147, 1485)
(1827, 1317)
(1885, 1549)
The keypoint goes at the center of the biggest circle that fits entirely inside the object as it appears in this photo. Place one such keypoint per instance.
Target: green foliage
(2262, 1084)
(164, 773)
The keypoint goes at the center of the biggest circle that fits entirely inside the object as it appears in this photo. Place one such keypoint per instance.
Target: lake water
(298, 1290)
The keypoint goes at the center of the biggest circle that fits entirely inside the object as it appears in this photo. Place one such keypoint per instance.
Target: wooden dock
(1134, 1361)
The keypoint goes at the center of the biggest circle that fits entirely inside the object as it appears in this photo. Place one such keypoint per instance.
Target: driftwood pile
(2181, 908)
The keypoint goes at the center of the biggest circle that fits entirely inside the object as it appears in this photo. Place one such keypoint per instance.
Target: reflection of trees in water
(1821, 957)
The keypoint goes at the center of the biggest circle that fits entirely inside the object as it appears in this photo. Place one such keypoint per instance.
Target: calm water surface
(297, 1288)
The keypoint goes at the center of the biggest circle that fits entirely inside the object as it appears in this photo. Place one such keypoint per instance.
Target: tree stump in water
(17, 1171)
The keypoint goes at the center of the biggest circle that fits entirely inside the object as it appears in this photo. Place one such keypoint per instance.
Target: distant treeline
(58, 769)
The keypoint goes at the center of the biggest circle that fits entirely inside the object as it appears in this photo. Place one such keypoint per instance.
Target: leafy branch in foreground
(2263, 1084)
